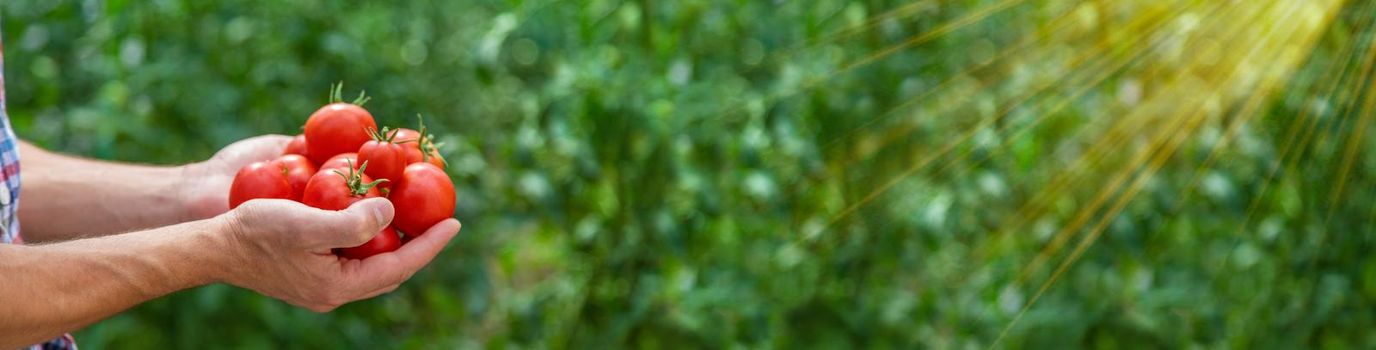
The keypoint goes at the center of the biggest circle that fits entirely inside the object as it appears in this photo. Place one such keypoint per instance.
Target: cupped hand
(205, 189)
(282, 249)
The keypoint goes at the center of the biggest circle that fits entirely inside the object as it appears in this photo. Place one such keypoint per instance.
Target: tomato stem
(337, 95)
(335, 92)
(426, 141)
(385, 135)
(354, 179)
(362, 99)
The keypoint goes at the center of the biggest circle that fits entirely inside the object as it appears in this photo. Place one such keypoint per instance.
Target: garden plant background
(721, 174)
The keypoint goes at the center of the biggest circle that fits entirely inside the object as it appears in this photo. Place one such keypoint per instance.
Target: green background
(678, 174)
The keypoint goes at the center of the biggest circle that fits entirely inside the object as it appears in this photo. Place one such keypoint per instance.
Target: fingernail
(378, 215)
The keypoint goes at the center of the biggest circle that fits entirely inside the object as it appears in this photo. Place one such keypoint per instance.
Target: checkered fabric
(9, 194)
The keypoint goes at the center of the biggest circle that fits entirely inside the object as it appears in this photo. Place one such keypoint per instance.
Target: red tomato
(341, 161)
(408, 137)
(435, 159)
(337, 128)
(413, 155)
(423, 197)
(336, 189)
(415, 152)
(296, 146)
(420, 146)
(385, 158)
(299, 171)
(383, 242)
(259, 180)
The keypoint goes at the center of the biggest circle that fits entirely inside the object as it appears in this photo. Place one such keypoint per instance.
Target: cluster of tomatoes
(341, 158)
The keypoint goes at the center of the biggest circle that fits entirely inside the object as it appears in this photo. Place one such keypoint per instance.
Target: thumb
(359, 222)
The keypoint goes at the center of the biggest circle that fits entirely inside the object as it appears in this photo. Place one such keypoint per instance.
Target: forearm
(66, 196)
(56, 288)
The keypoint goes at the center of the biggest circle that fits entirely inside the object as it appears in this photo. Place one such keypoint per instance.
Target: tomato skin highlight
(296, 146)
(341, 162)
(408, 137)
(298, 170)
(422, 197)
(337, 128)
(259, 180)
(410, 140)
(385, 241)
(330, 191)
(385, 160)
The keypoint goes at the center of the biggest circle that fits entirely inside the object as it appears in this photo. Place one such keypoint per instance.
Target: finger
(271, 139)
(354, 225)
(379, 291)
(348, 270)
(387, 269)
(269, 146)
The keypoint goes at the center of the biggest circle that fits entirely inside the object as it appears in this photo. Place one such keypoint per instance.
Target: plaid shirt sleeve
(9, 195)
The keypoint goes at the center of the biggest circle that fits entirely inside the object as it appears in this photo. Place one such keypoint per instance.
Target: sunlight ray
(1175, 140)
(923, 162)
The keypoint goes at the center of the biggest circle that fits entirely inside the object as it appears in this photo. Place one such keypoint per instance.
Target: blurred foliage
(740, 174)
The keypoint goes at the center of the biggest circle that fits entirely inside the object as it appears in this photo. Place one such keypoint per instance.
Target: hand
(282, 249)
(206, 184)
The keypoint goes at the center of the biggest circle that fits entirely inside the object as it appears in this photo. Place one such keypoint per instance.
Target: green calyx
(385, 135)
(337, 95)
(354, 180)
(427, 144)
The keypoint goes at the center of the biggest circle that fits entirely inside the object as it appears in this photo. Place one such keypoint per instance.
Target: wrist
(192, 199)
(224, 239)
(177, 257)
